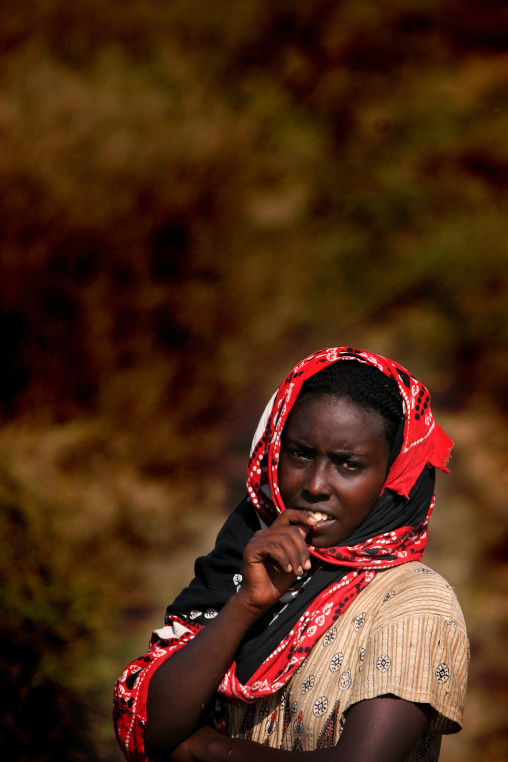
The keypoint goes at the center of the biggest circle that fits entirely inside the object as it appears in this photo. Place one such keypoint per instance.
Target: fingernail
(307, 563)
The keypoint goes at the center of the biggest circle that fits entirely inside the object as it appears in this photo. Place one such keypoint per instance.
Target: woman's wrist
(243, 607)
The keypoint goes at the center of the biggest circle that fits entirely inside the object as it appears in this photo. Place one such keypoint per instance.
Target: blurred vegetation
(195, 196)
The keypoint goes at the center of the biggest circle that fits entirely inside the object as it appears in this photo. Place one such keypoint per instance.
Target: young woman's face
(333, 464)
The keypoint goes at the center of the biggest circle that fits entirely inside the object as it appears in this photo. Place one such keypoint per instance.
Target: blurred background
(193, 197)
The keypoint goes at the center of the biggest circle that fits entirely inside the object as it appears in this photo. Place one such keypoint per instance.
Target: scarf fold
(394, 532)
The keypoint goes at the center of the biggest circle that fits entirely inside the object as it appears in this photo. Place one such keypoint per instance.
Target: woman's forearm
(383, 729)
(182, 686)
(209, 746)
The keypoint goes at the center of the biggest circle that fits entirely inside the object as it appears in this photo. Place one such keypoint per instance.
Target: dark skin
(382, 729)
(333, 462)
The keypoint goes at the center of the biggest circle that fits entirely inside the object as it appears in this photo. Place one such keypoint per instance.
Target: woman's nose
(317, 484)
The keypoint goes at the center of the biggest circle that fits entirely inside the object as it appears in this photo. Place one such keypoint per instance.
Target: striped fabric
(404, 634)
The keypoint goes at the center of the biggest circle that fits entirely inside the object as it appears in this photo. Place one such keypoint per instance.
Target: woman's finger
(284, 544)
(302, 520)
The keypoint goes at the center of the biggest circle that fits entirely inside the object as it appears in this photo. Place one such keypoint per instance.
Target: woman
(313, 626)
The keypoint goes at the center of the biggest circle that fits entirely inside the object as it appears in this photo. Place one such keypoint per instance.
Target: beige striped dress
(404, 634)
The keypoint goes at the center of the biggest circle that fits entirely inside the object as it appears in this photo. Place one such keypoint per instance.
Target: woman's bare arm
(383, 729)
(183, 685)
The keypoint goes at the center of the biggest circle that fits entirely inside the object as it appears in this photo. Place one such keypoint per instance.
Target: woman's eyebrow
(298, 443)
(336, 453)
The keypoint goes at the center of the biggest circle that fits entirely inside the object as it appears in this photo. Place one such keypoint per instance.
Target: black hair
(364, 385)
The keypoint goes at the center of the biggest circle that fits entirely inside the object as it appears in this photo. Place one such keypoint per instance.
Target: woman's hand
(274, 557)
(203, 744)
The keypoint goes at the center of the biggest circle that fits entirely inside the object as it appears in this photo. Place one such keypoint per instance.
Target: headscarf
(424, 442)
(393, 533)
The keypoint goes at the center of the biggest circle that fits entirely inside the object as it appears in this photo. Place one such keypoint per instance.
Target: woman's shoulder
(415, 575)
(415, 590)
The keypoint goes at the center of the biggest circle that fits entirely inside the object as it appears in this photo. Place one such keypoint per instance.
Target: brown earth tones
(193, 197)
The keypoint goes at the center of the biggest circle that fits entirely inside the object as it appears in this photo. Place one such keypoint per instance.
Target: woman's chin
(321, 535)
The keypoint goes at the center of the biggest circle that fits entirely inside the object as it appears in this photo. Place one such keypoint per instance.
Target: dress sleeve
(418, 650)
(131, 689)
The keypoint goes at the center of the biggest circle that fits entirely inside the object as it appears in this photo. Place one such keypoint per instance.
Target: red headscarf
(424, 441)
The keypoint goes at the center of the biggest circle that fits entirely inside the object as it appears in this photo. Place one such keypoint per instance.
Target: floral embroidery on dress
(442, 673)
(345, 680)
(307, 684)
(320, 706)
(336, 662)
(384, 662)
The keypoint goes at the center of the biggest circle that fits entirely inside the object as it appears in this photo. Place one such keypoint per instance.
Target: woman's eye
(350, 465)
(299, 454)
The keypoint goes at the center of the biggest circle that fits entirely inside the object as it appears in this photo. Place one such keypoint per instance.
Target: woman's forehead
(329, 419)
